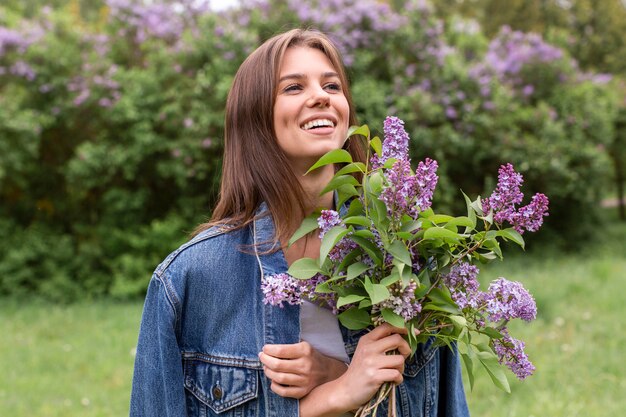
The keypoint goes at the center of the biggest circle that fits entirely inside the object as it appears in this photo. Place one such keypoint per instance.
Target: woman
(208, 345)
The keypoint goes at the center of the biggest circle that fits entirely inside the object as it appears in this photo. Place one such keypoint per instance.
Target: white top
(320, 328)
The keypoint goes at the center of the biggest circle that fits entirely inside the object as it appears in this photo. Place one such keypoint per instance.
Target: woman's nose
(319, 98)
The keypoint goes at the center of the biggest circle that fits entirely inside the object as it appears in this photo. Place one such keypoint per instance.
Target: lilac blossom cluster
(395, 144)
(327, 220)
(279, 288)
(507, 195)
(405, 192)
(507, 300)
(463, 285)
(159, 19)
(511, 353)
(283, 288)
(402, 301)
(510, 53)
(346, 20)
(503, 301)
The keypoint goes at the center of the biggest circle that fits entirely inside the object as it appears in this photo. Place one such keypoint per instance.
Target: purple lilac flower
(279, 288)
(530, 217)
(511, 353)
(402, 301)
(506, 300)
(342, 249)
(426, 177)
(506, 195)
(463, 285)
(395, 144)
(327, 220)
(398, 195)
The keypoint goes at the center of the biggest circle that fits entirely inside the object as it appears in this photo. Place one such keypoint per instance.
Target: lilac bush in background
(112, 125)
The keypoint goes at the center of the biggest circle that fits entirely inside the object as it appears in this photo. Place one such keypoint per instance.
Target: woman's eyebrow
(299, 76)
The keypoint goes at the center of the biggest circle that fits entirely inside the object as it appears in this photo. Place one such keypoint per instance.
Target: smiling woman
(311, 111)
(208, 345)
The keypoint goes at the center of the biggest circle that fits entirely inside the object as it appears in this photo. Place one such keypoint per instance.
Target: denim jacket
(204, 323)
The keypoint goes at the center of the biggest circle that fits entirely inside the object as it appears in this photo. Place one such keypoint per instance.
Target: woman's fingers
(284, 378)
(394, 342)
(291, 351)
(384, 330)
(288, 391)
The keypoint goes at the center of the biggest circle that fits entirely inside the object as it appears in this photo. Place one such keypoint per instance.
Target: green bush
(111, 124)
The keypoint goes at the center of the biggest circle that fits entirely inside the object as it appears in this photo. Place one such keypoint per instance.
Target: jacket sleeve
(158, 376)
(452, 401)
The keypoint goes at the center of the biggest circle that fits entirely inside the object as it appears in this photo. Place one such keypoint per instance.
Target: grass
(77, 360)
(66, 360)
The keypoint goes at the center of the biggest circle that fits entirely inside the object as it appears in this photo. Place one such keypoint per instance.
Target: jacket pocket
(424, 354)
(221, 387)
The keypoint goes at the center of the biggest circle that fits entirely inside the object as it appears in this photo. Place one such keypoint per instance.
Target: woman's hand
(296, 369)
(371, 367)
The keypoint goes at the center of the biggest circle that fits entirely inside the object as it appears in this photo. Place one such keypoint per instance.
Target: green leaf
(356, 269)
(362, 130)
(440, 233)
(336, 156)
(392, 318)
(377, 145)
(338, 181)
(477, 205)
(345, 192)
(469, 367)
(462, 221)
(377, 292)
(492, 333)
(355, 319)
(350, 168)
(375, 183)
(324, 288)
(441, 307)
(512, 234)
(458, 321)
(356, 208)
(400, 252)
(369, 247)
(494, 246)
(330, 239)
(308, 225)
(364, 233)
(304, 268)
(359, 220)
(411, 226)
(495, 371)
(391, 278)
(349, 299)
(471, 213)
(440, 218)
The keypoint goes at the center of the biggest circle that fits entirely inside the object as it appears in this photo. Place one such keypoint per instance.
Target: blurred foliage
(111, 120)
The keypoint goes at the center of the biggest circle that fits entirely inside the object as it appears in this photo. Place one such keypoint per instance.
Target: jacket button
(217, 393)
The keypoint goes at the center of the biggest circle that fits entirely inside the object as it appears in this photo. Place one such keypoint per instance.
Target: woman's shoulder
(210, 245)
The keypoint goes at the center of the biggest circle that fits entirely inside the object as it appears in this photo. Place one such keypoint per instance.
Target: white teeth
(318, 123)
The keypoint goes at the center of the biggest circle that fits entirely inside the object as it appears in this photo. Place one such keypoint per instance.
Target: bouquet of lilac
(388, 257)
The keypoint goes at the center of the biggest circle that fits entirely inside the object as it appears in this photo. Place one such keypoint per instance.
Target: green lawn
(77, 360)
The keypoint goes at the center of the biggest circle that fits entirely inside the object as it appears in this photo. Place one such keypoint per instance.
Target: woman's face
(311, 113)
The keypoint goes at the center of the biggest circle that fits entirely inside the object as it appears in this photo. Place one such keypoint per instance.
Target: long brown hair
(254, 168)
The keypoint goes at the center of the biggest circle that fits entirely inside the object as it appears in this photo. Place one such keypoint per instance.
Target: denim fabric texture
(204, 323)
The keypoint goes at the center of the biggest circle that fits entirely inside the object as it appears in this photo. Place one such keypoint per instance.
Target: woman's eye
(292, 88)
(333, 86)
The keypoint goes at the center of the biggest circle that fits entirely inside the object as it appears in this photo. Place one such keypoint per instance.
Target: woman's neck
(313, 183)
